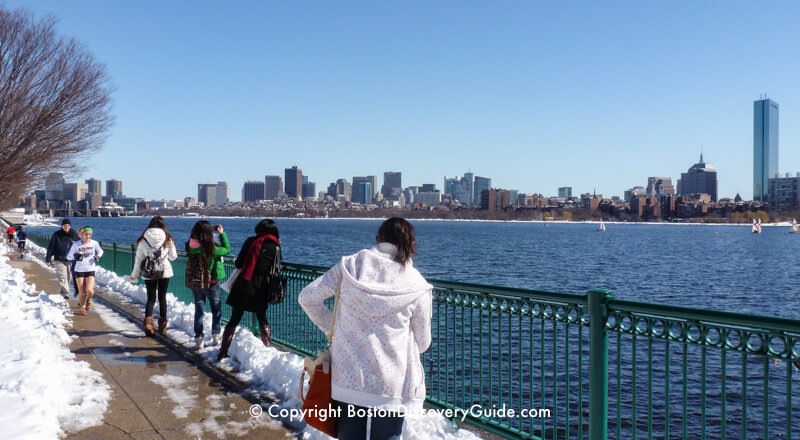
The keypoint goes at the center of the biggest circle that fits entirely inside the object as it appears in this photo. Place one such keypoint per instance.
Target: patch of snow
(44, 391)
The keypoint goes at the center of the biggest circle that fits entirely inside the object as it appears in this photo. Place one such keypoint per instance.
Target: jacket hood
(155, 237)
(375, 272)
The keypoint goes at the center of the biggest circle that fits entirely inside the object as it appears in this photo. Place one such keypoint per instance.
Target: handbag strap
(336, 304)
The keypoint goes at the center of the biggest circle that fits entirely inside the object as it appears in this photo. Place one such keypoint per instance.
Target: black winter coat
(252, 295)
(59, 245)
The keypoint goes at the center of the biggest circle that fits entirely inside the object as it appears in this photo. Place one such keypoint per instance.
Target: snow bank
(44, 391)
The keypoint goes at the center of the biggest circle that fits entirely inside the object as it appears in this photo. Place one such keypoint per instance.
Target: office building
(481, 184)
(392, 185)
(223, 193)
(95, 186)
(565, 191)
(494, 199)
(309, 190)
(358, 197)
(207, 193)
(374, 186)
(765, 146)
(660, 186)
(362, 191)
(430, 198)
(274, 187)
(467, 195)
(294, 182)
(253, 191)
(784, 192)
(75, 192)
(700, 179)
(54, 186)
(344, 189)
(114, 188)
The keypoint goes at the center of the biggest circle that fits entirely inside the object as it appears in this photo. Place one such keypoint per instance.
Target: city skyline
(536, 96)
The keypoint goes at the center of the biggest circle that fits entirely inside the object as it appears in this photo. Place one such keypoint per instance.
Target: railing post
(598, 364)
(114, 257)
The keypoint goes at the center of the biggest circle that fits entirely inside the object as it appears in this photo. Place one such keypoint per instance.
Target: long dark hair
(399, 232)
(203, 232)
(157, 222)
(267, 226)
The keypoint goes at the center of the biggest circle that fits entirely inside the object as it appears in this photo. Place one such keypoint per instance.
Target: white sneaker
(215, 339)
(198, 342)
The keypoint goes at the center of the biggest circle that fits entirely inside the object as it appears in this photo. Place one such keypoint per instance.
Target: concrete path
(161, 390)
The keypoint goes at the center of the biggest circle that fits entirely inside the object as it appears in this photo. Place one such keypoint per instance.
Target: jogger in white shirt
(85, 253)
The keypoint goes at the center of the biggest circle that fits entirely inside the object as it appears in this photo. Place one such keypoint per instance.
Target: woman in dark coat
(249, 291)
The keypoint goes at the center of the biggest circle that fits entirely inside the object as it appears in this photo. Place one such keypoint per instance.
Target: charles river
(720, 267)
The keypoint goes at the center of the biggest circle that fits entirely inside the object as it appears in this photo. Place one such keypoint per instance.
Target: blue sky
(535, 95)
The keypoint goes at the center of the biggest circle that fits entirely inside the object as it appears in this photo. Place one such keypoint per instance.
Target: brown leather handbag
(318, 402)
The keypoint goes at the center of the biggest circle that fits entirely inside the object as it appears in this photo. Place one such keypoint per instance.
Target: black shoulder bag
(276, 285)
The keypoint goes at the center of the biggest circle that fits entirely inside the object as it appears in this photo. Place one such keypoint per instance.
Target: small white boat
(602, 227)
(795, 229)
(756, 226)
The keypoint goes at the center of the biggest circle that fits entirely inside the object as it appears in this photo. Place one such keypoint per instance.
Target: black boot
(227, 337)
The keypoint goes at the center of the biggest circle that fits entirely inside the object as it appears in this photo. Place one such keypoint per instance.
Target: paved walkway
(160, 389)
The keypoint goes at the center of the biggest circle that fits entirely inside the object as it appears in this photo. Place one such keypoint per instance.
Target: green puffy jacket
(216, 268)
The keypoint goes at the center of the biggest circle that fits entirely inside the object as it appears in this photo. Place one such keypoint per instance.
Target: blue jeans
(212, 293)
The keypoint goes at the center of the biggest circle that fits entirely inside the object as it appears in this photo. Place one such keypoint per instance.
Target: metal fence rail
(597, 368)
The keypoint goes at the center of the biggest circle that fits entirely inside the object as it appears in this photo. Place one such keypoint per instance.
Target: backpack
(152, 266)
(276, 283)
(197, 276)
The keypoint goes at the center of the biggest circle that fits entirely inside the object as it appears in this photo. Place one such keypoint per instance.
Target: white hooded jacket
(155, 237)
(382, 325)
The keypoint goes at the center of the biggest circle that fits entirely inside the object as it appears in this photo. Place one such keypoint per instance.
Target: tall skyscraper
(223, 193)
(358, 197)
(54, 186)
(274, 187)
(765, 146)
(253, 191)
(565, 191)
(95, 186)
(392, 184)
(294, 182)
(114, 188)
(309, 189)
(467, 196)
(700, 179)
(481, 184)
(207, 193)
(374, 187)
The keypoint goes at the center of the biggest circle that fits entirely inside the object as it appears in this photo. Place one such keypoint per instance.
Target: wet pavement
(160, 389)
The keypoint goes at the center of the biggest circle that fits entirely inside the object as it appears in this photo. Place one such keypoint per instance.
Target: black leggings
(238, 312)
(151, 286)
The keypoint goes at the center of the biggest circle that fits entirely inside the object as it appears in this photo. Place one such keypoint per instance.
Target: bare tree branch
(55, 102)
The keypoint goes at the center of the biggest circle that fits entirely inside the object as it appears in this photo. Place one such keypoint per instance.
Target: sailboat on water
(795, 228)
(756, 226)
(602, 227)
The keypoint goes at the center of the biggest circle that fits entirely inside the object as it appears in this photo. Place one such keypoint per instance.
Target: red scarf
(252, 254)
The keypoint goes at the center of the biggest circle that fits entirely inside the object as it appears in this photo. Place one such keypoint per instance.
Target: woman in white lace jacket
(382, 326)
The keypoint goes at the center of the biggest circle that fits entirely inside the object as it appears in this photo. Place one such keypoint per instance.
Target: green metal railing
(598, 367)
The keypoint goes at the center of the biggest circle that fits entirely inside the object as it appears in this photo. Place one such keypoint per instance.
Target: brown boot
(148, 326)
(227, 337)
(266, 334)
(162, 325)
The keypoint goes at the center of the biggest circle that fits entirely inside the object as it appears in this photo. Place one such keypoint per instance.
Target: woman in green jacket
(201, 241)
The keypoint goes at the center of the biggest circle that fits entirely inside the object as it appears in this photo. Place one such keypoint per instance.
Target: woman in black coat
(249, 291)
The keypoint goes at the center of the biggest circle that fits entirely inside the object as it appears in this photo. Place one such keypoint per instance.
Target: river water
(720, 267)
